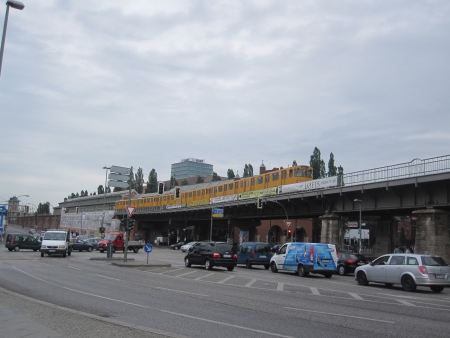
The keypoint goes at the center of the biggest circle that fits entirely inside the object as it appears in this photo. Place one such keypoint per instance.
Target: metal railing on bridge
(414, 168)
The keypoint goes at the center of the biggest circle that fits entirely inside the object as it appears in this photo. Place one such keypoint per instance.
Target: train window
(241, 184)
(236, 185)
(247, 183)
(215, 189)
(164, 198)
(219, 188)
(275, 176)
(290, 172)
(203, 191)
(156, 199)
(172, 197)
(230, 186)
(198, 192)
(259, 180)
(224, 187)
(283, 174)
(190, 193)
(298, 172)
(252, 181)
(267, 178)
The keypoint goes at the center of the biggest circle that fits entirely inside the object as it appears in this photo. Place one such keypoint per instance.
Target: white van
(57, 242)
(304, 258)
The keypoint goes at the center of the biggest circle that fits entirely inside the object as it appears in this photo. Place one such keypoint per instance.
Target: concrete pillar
(330, 229)
(383, 243)
(432, 233)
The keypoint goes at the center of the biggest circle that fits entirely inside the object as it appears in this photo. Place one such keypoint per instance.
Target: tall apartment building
(190, 167)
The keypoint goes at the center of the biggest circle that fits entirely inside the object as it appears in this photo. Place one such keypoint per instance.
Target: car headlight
(61, 247)
(43, 246)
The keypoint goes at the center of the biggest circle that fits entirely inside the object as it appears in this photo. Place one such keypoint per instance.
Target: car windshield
(433, 261)
(55, 236)
(224, 247)
(110, 237)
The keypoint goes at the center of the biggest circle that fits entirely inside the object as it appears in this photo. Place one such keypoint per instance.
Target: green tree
(152, 182)
(248, 170)
(332, 170)
(340, 176)
(184, 182)
(100, 190)
(73, 195)
(230, 173)
(139, 181)
(200, 179)
(294, 163)
(215, 177)
(317, 164)
(43, 208)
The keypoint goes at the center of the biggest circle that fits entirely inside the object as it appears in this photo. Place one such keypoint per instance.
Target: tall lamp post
(360, 231)
(16, 5)
(104, 198)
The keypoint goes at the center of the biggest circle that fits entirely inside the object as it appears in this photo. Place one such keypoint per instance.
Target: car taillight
(253, 254)
(350, 261)
(216, 255)
(423, 269)
(12, 240)
(235, 256)
(311, 253)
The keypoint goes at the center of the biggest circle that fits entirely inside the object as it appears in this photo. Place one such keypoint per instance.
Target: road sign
(288, 224)
(148, 248)
(117, 184)
(119, 170)
(130, 210)
(217, 213)
(119, 177)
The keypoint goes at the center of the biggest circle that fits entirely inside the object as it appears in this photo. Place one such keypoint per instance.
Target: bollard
(109, 250)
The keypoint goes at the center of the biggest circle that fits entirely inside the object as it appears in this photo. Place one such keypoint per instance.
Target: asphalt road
(194, 302)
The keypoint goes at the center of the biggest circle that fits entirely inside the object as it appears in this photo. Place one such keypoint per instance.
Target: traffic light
(101, 230)
(259, 203)
(130, 224)
(123, 224)
(160, 188)
(177, 192)
(289, 233)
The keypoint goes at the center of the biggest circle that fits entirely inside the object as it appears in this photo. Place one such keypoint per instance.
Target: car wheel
(42, 254)
(10, 249)
(301, 271)
(208, 265)
(102, 251)
(408, 284)
(65, 253)
(230, 268)
(388, 284)
(89, 249)
(342, 270)
(136, 250)
(328, 275)
(177, 248)
(362, 278)
(436, 288)
(248, 265)
(273, 267)
(187, 263)
(16, 248)
(267, 266)
(80, 250)
(34, 249)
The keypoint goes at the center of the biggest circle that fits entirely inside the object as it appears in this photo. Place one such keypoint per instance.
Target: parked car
(82, 244)
(408, 270)
(94, 241)
(348, 262)
(187, 246)
(17, 242)
(212, 254)
(254, 253)
(177, 246)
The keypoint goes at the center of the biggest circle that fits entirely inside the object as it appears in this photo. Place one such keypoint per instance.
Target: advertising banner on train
(258, 193)
(321, 183)
(222, 199)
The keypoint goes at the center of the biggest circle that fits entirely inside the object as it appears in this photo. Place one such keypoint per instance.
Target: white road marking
(224, 280)
(119, 280)
(187, 273)
(405, 302)
(249, 284)
(356, 296)
(209, 274)
(72, 267)
(315, 291)
(280, 286)
(341, 315)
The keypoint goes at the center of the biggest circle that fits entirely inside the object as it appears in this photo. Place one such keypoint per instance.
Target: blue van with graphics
(254, 253)
(305, 258)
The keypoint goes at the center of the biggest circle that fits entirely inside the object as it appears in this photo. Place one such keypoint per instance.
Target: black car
(17, 242)
(82, 244)
(177, 246)
(212, 254)
(348, 262)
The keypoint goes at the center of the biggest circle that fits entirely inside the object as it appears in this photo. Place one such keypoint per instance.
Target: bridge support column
(432, 233)
(330, 229)
(383, 244)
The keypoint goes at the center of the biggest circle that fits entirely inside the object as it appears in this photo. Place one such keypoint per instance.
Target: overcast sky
(88, 84)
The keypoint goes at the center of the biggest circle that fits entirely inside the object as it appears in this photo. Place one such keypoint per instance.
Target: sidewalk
(21, 317)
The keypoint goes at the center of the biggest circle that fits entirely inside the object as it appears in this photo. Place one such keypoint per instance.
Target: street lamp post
(104, 196)
(360, 231)
(16, 5)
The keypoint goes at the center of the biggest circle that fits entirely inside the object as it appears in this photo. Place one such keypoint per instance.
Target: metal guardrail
(414, 168)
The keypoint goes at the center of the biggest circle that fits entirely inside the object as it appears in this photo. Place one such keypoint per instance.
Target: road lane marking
(187, 273)
(341, 315)
(224, 280)
(315, 291)
(280, 286)
(249, 284)
(356, 296)
(171, 271)
(72, 267)
(157, 309)
(102, 276)
(209, 274)
(404, 302)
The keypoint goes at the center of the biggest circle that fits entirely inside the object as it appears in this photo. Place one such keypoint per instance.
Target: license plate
(262, 256)
(440, 276)
(326, 260)
(226, 256)
(51, 250)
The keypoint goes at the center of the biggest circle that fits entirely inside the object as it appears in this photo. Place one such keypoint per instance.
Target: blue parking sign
(148, 248)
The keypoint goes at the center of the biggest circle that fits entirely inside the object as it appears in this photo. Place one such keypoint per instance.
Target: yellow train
(264, 184)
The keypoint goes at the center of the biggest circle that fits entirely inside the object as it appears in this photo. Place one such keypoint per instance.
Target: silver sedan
(409, 270)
